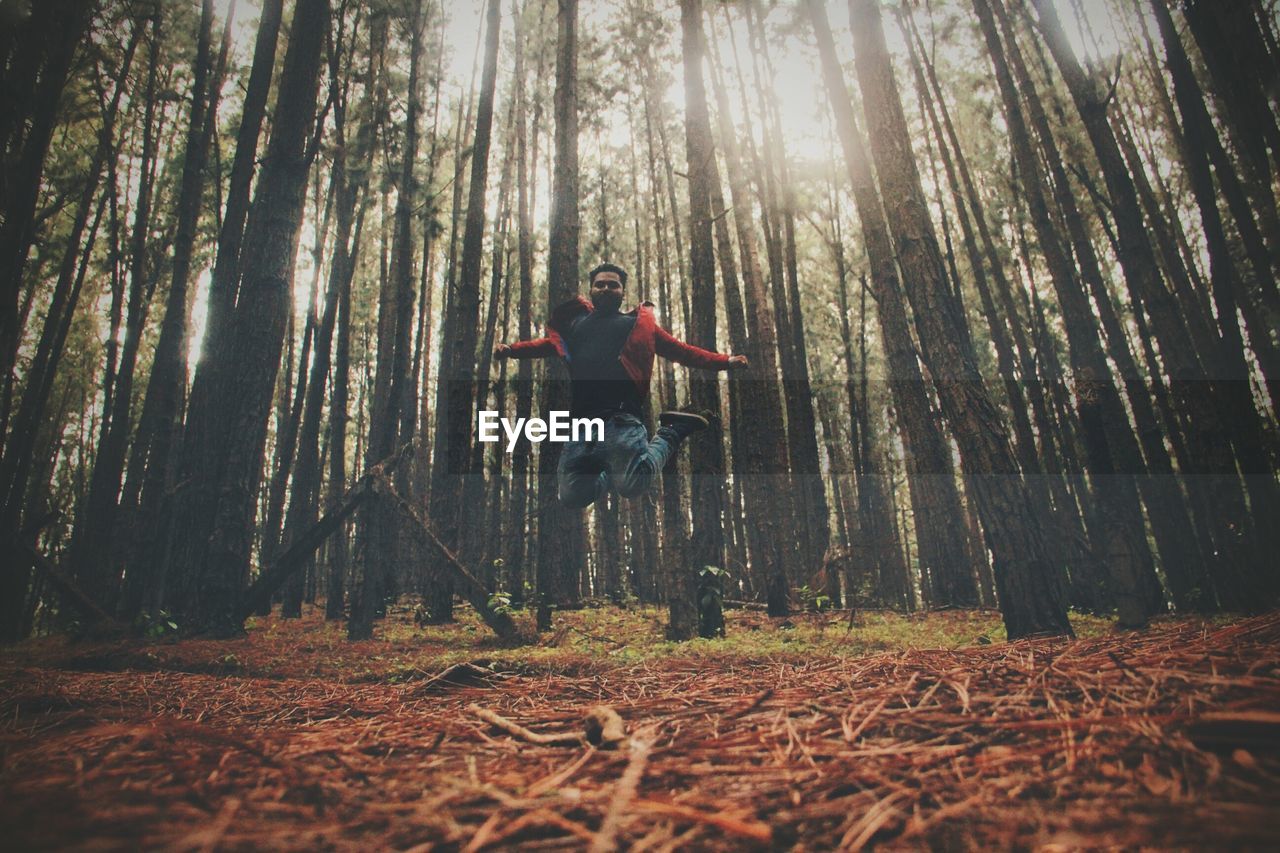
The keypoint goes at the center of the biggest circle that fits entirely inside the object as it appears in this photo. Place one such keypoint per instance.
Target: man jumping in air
(610, 357)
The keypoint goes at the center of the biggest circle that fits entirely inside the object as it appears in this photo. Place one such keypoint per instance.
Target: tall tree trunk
(1111, 451)
(19, 457)
(1212, 481)
(91, 553)
(515, 562)
(935, 498)
(47, 45)
(1013, 355)
(691, 608)
(380, 524)
(1233, 377)
(1228, 37)
(216, 544)
(1170, 523)
(188, 528)
(349, 189)
(1029, 599)
(149, 478)
(762, 462)
(802, 440)
(560, 533)
(452, 485)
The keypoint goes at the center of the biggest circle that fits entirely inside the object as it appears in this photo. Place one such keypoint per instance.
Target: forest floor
(904, 732)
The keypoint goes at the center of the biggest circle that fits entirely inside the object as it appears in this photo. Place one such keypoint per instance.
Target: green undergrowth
(584, 641)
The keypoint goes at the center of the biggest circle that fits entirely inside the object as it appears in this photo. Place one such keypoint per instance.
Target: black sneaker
(684, 424)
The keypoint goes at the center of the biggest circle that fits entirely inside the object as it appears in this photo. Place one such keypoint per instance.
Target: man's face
(606, 290)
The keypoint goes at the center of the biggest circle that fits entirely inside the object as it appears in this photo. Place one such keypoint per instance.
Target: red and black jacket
(647, 338)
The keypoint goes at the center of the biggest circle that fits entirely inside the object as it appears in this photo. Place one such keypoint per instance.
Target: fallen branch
(517, 730)
(295, 556)
(458, 675)
(1234, 729)
(472, 589)
(66, 587)
(623, 794)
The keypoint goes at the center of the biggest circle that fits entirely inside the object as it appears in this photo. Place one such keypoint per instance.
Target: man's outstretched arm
(668, 346)
(539, 348)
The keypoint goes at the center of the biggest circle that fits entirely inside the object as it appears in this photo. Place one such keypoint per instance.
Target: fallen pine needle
(753, 829)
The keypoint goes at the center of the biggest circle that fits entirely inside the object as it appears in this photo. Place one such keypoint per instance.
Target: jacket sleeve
(540, 348)
(668, 347)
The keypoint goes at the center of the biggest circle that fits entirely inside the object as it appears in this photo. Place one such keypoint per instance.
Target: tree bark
(1212, 481)
(692, 607)
(560, 533)
(215, 546)
(1029, 599)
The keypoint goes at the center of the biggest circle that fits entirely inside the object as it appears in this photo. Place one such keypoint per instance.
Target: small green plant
(711, 601)
(500, 602)
(154, 625)
(812, 599)
(711, 586)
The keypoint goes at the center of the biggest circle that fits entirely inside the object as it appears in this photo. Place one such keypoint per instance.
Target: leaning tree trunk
(49, 39)
(93, 539)
(1234, 380)
(1042, 468)
(1170, 524)
(149, 477)
(935, 498)
(1029, 599)
(1107, 436)
(1212, 480)
(240, 404)
(187, 529)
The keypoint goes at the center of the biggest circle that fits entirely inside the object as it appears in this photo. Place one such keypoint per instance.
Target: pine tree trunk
(19, 458)
(1111, 451)
(52, 34)
(381, 527)
(935, 498)
(560, 532)
(145, 504)
(187, 532)
(693, 607)
(1234, 53)
(1212, 480)
(224, 489)
(1234, 372)
(1029, 599)
(1015, 362)
(762, 461)
(91, 556)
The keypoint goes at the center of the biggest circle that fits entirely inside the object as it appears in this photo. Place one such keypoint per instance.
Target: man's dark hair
(622, 274)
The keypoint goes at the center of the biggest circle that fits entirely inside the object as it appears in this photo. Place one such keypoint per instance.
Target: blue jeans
(627, 460)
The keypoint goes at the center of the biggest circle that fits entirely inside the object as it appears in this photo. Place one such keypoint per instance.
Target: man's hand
(501, 351)
(738, 362)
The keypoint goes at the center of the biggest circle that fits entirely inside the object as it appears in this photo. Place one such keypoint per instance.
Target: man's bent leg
(581, 476)
(634, 458)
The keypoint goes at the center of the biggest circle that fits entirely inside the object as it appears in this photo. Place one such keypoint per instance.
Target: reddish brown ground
(1167, 738)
